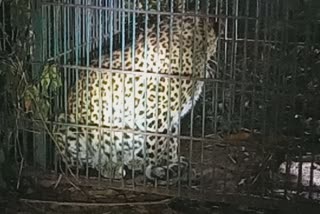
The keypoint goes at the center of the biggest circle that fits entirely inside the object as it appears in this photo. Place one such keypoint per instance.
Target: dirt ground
(234, 171)
(89, 200)
(45, 197)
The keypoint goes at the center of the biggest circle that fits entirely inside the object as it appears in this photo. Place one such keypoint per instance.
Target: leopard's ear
(217, 24)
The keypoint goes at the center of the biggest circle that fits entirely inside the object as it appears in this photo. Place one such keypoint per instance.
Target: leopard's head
(204, 36)
(206, 29)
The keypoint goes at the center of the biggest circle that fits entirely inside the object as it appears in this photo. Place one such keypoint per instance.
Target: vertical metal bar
(169, 92)
(111, 32)
(216, 84)
(313, 28)
(57, 30)
(286, 70)
(77, 56)
(83, 34)
(95, 27)
(193, 74)
(4, 34)
(262, 115)
(44, 11)
(38, 140)
(49, 9)
(287, 171)
(244, 64)
(225, 51)
(88, 45)
(134, 85)
(115, 20)
(66, 74)
(123, 46)
(203, 111)
(146, 87)
(310, 189)
(55, 43)
(180, 69)
(224, 76)
(215, 87)
(105, 20)
(275, 11)
(233, 59)
(235, 52)
(255, 63)
(100, 85)
(299, 184)
(129, 20)
(266, 51)
(157, 84)
(280, 67)
(294, 89)
(310, 23)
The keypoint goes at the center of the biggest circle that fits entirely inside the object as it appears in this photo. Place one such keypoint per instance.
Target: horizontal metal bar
(144, 74)
(139, 11)
(182, 137)
(70, 50)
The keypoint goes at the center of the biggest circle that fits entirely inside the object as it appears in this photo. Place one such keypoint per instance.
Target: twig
(19, 149)
(72, 184)
(55, 142)
(58, 181)
(262, 168)
(30, 130)
(69, 181)
(232, 159)
(23, 79)
(20, 171)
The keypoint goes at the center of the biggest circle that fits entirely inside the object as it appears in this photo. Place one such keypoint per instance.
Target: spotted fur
(148, 94)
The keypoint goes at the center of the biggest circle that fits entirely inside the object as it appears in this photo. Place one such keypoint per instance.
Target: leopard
(124, 111)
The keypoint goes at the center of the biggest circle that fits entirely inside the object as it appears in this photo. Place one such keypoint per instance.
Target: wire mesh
(262, 82)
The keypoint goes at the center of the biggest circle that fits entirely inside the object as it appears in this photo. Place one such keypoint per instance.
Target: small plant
(21, 94)
(37, 97)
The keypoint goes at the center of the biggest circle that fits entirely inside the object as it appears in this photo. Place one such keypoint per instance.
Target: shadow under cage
(216, 100)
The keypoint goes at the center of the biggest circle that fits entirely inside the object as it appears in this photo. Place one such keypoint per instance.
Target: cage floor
(66, 198)
(232, 170)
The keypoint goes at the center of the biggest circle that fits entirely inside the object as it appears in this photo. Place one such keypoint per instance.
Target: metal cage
(256, 123)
